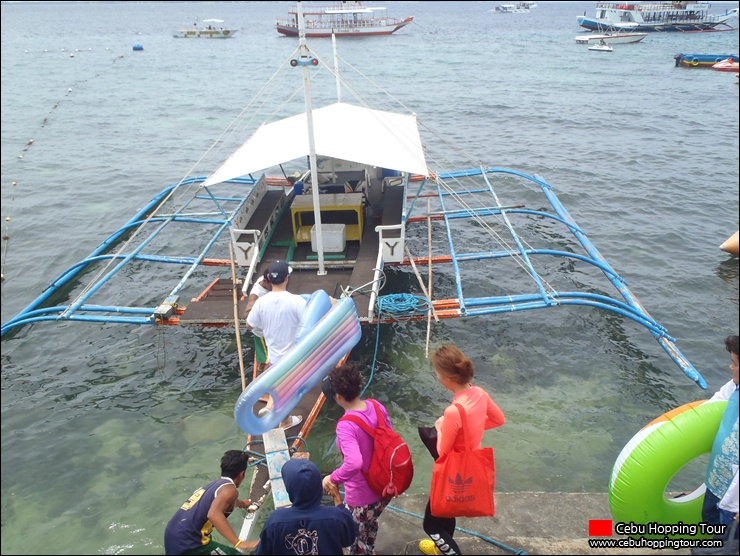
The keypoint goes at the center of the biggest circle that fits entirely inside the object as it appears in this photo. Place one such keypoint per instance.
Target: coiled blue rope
(403, 305)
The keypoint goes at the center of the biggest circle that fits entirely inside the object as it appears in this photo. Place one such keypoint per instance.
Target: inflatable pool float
(326, 333)
(653, 456)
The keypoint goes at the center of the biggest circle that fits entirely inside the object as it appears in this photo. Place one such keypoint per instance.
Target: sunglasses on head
(328, 388)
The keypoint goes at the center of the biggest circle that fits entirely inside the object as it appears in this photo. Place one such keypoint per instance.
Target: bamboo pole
(236, 317)
(421, 282)
(429, 259)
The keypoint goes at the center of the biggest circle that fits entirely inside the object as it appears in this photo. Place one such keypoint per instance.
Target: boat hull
(726, 65)
(600, 25)
(654, 17)
(343, 31)
(204, 34)
(611, 38)
(702, 60)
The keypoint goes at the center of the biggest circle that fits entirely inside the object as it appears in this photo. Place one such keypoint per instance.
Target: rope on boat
(403, 305)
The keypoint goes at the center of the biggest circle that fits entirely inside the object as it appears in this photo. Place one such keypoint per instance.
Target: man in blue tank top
(189, 530)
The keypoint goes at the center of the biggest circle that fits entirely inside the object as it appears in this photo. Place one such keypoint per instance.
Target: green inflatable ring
(653, 456)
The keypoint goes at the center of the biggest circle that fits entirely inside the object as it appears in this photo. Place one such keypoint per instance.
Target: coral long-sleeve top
(482, 414)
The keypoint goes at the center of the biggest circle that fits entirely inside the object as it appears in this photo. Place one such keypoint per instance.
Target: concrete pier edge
(525, 522)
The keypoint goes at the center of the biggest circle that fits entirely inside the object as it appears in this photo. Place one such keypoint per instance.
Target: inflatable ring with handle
(653, 456)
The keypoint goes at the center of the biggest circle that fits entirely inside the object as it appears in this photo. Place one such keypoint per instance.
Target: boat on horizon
(213, 29)
(617, 37)
(518, 8)
(342, 19)
(657, 17)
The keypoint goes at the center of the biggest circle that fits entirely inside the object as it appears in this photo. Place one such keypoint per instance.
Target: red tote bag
(463, 482)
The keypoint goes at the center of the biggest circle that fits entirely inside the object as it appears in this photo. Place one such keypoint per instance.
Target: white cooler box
(334, 238)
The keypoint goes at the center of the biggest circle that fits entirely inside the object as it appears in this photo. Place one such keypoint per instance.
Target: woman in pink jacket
(343, 384)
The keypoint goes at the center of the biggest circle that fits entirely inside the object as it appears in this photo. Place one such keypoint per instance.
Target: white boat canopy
(343, 131)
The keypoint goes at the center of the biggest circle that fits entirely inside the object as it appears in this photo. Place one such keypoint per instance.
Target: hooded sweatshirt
(306, 527)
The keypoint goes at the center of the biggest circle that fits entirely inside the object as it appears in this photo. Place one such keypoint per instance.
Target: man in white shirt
(278, 315)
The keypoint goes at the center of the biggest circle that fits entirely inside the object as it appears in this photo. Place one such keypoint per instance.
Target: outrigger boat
(342, 19)
(344, 193)
(675, 16)
(213, 29)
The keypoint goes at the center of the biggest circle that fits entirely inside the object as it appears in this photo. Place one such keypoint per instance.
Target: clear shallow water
(106, 429)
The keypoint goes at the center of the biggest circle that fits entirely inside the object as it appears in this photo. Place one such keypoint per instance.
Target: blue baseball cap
(278, 271)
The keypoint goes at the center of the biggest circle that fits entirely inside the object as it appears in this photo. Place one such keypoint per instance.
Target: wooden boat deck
(354, 267)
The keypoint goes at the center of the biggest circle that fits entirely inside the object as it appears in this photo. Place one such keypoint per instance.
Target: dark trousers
(710, 511)
(440, 530)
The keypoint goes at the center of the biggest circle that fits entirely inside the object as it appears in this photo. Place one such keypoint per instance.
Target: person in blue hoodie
(307, 527)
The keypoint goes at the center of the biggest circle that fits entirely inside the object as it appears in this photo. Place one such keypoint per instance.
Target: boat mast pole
(336, 66)
(305, 61)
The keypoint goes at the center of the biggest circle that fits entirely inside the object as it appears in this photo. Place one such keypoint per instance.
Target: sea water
(106, 429)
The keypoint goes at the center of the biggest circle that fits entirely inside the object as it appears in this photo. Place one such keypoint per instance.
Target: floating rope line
(6, 232)
(21, 156)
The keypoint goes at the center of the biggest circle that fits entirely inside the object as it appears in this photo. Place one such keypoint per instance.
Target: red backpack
(391, 469)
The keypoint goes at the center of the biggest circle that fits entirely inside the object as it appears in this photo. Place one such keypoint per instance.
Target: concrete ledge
(525, 522)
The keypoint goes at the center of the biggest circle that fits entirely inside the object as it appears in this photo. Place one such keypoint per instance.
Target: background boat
(155, 409)
(702, 60)
(211, 29)
(611, 38)
(343, 19)
(601, 48)
(726, 65)
(657, 17)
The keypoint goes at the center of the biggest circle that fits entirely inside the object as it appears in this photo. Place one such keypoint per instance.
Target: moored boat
(611, 38)
(518, 8)
(656, 17)
(601, 47)
(727, 65)
(213, 29)
(342, 19)
(702, 60)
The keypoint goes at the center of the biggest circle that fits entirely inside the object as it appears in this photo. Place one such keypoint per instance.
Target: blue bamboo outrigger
(164, 312)
(372, 174)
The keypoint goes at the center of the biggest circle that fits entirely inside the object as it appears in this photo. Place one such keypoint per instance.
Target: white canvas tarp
(343, 131)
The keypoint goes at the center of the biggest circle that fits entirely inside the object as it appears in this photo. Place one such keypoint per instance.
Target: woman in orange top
(454, 371)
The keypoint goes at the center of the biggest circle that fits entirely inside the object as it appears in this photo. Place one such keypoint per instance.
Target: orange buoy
(731, 244)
